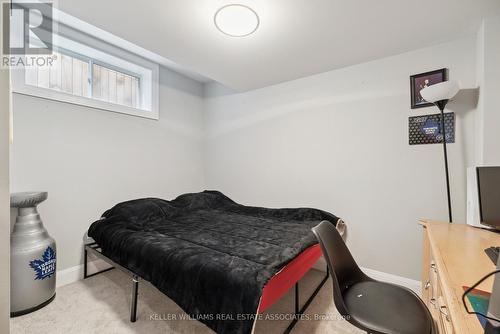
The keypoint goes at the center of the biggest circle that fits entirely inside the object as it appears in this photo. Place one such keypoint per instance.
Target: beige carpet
(101, 305)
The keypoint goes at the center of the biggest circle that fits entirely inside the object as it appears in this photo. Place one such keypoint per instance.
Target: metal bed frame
(95, 249)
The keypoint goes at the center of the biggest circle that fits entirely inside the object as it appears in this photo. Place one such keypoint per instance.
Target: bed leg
(297, 309)
(92, 248)
(84, 263)
(133, 307)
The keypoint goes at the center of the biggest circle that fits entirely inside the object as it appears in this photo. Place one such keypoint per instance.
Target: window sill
(53, 95)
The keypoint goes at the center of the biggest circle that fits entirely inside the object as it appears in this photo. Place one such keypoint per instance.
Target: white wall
(88, 159)
(4, 203)
(488, 69)
(479, 118)
(339, 141)
(336, 141)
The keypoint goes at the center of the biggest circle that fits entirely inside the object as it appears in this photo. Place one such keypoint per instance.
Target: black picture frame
(416, 84)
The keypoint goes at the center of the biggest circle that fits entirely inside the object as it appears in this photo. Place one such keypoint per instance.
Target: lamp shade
(441, 91)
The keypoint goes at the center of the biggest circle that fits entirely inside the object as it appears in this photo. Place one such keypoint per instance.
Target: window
(107, 78)
(67, 74)
(70, 74)
(115, 86)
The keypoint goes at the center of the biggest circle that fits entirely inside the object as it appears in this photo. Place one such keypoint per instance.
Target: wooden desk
(453, 257)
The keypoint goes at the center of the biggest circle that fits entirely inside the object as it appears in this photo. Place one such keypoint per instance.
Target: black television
(488, 186)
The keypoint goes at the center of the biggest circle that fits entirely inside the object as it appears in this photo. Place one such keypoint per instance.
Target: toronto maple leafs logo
(46, 266)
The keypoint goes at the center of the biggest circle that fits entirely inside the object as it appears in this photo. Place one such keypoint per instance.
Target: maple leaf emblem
(46, 266)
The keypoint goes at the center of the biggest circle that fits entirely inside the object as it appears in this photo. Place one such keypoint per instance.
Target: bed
(220, 261)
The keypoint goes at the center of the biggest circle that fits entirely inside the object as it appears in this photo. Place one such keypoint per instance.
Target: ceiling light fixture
(236, 20)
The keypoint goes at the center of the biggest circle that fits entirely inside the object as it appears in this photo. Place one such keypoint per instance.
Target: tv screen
(488, 182)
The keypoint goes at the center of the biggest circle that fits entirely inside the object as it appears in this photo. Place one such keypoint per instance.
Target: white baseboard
(74, 274)
(69, 275)
(409, 283)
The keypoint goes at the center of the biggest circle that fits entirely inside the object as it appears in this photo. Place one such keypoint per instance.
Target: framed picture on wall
(422, 80)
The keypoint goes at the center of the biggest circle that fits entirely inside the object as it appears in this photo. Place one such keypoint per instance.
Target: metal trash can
(32, 257)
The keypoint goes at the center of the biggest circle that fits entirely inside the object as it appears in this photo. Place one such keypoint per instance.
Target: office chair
(373, 306)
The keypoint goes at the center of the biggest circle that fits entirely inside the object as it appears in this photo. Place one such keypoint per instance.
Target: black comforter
(210, 255)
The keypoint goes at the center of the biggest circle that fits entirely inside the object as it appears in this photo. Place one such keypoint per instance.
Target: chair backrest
(341, 265)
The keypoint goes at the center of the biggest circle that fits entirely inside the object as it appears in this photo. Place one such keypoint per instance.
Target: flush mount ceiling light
(236, 20)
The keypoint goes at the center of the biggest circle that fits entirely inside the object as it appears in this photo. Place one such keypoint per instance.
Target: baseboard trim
(409, 283)
(69, 275)
(74, 274)
(414, 285)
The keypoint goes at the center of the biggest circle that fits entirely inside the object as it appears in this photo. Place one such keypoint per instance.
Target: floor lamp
(440, 94)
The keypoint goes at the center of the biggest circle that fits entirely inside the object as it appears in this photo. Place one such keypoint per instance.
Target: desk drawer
(456, 251)
(444, 319)
(433, 296)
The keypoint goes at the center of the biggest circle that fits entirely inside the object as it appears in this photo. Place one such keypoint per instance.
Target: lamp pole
(441, 104)
(440, 94)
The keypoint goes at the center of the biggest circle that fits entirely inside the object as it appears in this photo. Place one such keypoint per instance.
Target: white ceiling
(296, 38)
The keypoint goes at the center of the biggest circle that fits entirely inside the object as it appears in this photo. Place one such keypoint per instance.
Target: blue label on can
(46, 266)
